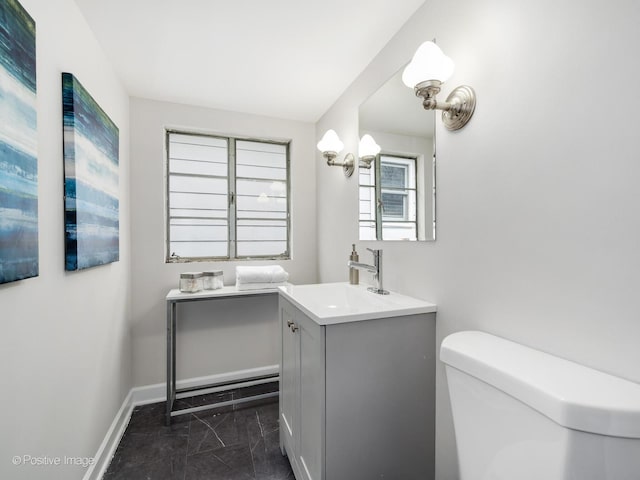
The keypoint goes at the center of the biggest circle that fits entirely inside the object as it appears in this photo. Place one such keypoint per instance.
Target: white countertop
(333, 303)
(229, 291)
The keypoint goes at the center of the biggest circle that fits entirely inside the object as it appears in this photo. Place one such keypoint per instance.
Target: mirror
(397, 194)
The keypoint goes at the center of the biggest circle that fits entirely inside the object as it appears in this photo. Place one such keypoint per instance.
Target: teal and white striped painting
(18, 144)
(91, 146)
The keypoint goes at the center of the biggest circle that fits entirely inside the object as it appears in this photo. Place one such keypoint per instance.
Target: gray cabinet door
(289, 380)
(312, 407)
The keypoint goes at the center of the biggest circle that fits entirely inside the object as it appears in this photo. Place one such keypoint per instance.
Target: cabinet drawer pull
(289, 323)
(294, 328)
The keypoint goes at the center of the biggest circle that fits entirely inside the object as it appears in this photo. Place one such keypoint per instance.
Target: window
(395, 178)
(227, 198)
(388, 208)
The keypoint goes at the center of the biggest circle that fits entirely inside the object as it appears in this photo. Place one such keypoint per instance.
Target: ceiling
(280, 58)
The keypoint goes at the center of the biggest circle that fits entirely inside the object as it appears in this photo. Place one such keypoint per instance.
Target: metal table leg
(171, 359)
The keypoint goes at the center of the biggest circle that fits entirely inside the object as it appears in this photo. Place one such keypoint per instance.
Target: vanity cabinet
(302, 388)
(357, 397)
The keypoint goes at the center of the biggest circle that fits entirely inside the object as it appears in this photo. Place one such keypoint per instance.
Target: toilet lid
(570, 394)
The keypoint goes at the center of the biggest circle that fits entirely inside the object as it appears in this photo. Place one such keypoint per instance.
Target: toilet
(522, 414)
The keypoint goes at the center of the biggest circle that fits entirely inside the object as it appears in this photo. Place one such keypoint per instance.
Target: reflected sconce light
(331, 146)
(428, 70)
(367, 151)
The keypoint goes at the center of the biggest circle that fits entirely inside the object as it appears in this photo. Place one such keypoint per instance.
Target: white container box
(190, 282)
(212, 280)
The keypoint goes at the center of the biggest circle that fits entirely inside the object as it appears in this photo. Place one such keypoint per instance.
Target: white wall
(65, 353)
(214, 337)
(538, 198)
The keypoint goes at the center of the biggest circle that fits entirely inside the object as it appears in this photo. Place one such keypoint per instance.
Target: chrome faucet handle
(377, 261)
(377, 253)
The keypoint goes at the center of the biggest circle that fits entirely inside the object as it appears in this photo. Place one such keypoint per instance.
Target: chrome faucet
(376, 269)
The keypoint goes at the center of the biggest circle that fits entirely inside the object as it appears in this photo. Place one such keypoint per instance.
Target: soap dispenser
(354, 274)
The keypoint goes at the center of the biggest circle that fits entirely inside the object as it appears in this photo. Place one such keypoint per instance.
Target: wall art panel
(91, 146)
(18, 144)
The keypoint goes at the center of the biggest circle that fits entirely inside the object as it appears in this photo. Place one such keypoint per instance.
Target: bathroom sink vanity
(357, 383)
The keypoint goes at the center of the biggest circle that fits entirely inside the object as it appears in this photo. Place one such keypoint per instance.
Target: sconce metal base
(462, 103)
(348, 164)
(428, 90)
(366, 161)
(456, 110)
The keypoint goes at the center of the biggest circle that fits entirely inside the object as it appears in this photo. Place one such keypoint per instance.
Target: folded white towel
(266, 274)
(259, 286)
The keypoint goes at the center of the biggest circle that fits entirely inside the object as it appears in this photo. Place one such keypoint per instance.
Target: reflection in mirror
(397, 192)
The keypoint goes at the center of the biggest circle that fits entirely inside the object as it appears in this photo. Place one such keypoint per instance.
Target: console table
(173, 298)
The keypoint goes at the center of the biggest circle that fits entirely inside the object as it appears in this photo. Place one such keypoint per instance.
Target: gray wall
(213, 338)
(538, 198)
(65, 352)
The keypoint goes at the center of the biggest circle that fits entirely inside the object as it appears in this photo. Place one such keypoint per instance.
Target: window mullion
(378, 206)
(233, 199)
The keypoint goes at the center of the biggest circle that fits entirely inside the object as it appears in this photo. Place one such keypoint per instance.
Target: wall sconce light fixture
(331, 146)
(428, 70)
(367, 151)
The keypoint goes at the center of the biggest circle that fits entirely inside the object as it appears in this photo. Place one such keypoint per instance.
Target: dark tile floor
(237, 442)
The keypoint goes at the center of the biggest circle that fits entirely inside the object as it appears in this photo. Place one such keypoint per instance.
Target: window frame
(380, 220)
(403, 191)
(232, 218)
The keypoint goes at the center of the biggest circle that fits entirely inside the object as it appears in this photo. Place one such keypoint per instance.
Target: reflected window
(388, 208)
(227, 198)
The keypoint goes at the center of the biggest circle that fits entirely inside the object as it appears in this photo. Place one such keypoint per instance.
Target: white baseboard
(158, 393)
(111, 440)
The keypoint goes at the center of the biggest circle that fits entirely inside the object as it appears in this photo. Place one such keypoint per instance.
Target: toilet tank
(522, 414)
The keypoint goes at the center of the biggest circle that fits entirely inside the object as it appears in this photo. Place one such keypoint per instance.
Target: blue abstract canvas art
(91, 146)
(18, 144)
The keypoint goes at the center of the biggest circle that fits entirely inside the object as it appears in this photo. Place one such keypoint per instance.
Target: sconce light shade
(367, 151)
(330, 145)
(330, 142)
(428, 70)
(368, 147)
(428, 63)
